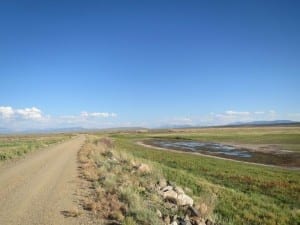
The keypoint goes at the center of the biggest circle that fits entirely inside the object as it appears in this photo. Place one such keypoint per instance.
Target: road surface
(41, 188)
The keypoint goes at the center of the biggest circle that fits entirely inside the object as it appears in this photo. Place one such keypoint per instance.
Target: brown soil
(42, 188)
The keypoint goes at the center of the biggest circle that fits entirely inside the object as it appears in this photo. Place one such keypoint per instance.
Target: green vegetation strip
(16, 146)
(246, 194)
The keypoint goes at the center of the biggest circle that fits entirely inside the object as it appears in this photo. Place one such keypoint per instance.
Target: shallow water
(203, 147)
(288, 159)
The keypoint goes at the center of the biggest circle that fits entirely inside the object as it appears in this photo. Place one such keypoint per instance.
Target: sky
(98, 64)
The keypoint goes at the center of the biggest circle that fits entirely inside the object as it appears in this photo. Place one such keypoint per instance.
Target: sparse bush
(130, 197)
(110, 183)
(120, 192)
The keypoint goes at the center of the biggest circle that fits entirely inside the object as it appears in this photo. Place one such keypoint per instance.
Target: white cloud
(231, 116)
(236, 113)
(33, 117)
(97, 114)
(6, 112)
(29, 113)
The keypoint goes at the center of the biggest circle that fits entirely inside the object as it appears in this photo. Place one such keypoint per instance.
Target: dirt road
(41, 188)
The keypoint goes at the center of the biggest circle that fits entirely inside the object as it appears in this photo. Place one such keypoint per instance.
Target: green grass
(16, 146)
(246, 194)
(286, 137)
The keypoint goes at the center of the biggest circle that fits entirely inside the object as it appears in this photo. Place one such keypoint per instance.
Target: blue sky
(148, 63)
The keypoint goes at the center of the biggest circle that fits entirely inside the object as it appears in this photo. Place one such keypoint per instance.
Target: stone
(158, 213)
(193, 212)
(198, 221)
(169, 183)
(179, 190)
(183, 199)
(170, 196)
(181, 221)
(167, 188)
(167, 219)
(187, 220)
(209, 222)
(174, 218)
(162, 183)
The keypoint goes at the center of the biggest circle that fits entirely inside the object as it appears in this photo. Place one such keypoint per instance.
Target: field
(240, 193)
(114, 189)
(18, 145)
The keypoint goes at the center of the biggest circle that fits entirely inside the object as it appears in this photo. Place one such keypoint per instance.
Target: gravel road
(41, 188)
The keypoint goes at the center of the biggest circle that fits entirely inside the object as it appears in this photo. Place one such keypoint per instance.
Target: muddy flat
(283, 159)
(41, 188)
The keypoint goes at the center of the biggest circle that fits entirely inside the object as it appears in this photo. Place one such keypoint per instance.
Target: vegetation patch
(241, 193)
(16, 146)
(127, 190)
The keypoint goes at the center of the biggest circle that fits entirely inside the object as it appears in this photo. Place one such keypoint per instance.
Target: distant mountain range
(236, 124)
(265, 122)
(4, 130)
(68, 130)
(50, 130)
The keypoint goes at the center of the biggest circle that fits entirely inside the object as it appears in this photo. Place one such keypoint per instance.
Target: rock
(209, 222)
(187, 220)
(171, 206)
(170, 196)
(203, 208)
(167, 219)
(181, 221)
(169, 183)
(193, 212)
(174, 223)
(158, 213)
(183, 199)
(174, 218)
(188, 223)
(144, 168)
(162, 183)
(179, 190)
(167, 188)
(198, 221)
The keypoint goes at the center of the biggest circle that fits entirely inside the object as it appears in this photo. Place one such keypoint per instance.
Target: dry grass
(122, 191)
(125, 189)
(71, 213)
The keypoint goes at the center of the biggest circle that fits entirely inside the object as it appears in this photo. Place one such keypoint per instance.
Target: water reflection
(197, 146)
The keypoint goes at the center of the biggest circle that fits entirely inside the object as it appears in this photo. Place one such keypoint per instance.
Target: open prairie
(95, 178)
(149, 112)
(245, 193)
